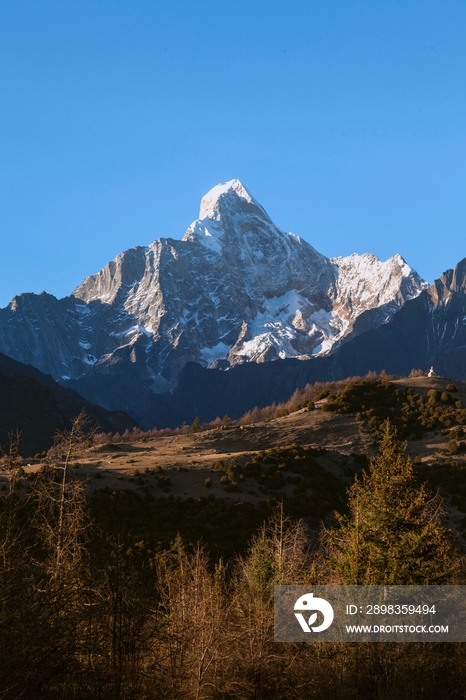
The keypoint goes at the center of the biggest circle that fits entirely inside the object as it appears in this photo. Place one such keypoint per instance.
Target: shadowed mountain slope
(37, 406)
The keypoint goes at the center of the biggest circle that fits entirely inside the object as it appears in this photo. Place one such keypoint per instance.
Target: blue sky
(344, 118)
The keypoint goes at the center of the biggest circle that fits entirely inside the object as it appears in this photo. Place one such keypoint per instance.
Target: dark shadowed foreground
(90, 612)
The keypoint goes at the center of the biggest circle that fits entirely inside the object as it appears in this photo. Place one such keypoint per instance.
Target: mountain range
(235, 313)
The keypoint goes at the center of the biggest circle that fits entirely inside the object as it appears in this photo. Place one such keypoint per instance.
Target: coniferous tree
(394, 532)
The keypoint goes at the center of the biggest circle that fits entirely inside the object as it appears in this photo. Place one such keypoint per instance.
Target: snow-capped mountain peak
(234, 289)
(230, 217)
(224, 197)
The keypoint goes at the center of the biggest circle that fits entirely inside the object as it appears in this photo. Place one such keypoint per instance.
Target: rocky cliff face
(234, 289)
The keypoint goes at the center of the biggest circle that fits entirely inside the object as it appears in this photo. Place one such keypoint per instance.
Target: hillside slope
(37, 406)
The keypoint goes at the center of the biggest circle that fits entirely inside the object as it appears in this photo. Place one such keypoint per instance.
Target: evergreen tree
(395, 532)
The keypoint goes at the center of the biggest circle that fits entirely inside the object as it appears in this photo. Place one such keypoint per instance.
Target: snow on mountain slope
(234, 289)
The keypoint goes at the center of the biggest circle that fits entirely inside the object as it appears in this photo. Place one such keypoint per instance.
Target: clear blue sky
(346, 119)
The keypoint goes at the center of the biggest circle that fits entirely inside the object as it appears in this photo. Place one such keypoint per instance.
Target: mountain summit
(234, 289)
(222, 198)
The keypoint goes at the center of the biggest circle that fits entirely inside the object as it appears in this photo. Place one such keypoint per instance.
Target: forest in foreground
(87, 611)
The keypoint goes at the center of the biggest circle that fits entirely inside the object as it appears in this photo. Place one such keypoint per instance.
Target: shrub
(451, 387)
(373, 402)
(416, 373)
